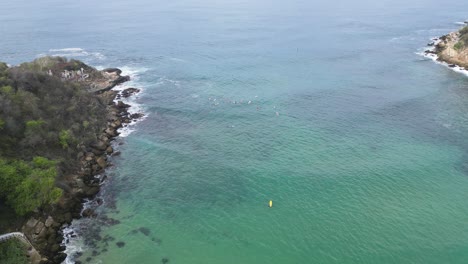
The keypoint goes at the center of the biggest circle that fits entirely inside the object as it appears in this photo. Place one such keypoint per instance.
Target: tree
(27, 186)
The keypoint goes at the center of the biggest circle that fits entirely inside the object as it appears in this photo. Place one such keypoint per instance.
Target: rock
(164, 260)
(129, 91)
(111, 132)
(60, 257)
(99, 201)
(49, 222)
(117, 153)
(104, 139)
(122, 105)
(120, 79)
(117, 123)
(88, 212)
(103, 179)
(98, 152)
(109, 150)
(38, 228)
(91, 191)
(45, 232)
(100, 145)
(55, 248)
(96, 170)
(31, 223)
(101, 161)
(452, 65)
(67, 217)
(113, 70)
(136, 116)
(107, 97)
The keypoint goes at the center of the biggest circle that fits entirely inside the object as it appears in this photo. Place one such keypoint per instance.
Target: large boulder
(49, 221)
(113, 70)
(100, 145)
(101, 161)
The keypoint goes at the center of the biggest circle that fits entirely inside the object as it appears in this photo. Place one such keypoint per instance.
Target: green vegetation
(34, 124)
(27, 186)
(64, 138)
(463, 39)
(464, 30)
(459, 45)
(42, 122)
(13, 252)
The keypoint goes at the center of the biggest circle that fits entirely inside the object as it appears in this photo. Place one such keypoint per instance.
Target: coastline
(443, 50)
(45, 228)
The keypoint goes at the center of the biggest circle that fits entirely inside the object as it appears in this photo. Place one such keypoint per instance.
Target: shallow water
(324, 108)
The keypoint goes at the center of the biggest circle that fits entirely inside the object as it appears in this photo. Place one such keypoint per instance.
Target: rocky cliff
(453, 48)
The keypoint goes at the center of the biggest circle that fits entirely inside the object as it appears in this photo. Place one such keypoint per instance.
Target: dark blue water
(324, 108)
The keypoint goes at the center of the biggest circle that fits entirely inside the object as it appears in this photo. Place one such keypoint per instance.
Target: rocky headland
(83, 169)
(451, 49)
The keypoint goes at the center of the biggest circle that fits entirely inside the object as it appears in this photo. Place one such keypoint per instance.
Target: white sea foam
(73, 240)
(67, 50)
(177, 60)
(73, 244)
(164, 80)
(135, 107)
(73, 53)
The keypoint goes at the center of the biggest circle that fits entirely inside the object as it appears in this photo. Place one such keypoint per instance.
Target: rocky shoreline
(45, 228)
(450, 49)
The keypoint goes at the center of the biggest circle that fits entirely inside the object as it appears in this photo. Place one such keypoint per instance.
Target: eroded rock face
(452, 49)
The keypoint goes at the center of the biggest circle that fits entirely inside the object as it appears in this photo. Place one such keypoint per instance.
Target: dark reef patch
(120, 244)
(144, 230)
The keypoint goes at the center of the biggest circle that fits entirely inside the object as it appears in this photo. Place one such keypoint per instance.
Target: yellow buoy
(270, 204)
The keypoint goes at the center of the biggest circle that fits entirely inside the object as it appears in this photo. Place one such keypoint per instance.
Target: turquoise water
(360, 142)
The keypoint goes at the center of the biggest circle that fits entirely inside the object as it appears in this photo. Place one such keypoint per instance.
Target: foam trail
(67, 50)
(73, 53)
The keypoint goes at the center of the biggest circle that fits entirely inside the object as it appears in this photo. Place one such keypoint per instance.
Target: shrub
(64, 138)
(13, 252)
(459, 45)
(6, 90)
(464, 30)
(27, 186)
(34, 124)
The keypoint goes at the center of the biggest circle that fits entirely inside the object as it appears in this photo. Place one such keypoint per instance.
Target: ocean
(325, 108)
